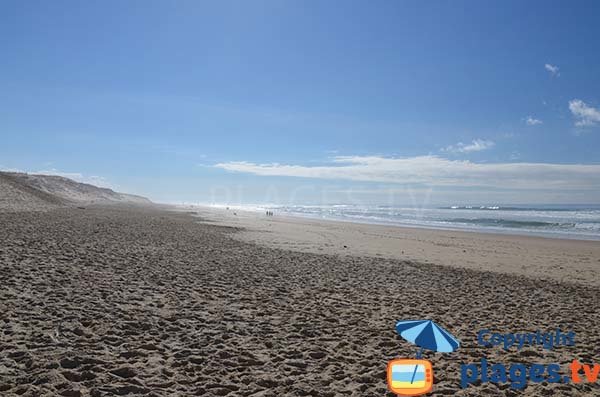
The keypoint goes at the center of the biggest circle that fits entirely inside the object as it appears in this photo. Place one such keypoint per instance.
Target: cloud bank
(435, 171)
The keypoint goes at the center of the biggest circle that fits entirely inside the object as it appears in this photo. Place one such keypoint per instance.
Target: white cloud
(553, 69)
(476, 145)
(584, 114)
(435, 171)
(515, 155)
(533, 121)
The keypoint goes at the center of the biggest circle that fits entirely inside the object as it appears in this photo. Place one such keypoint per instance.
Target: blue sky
(386, 101)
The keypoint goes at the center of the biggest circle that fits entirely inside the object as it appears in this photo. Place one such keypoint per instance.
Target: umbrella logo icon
(413, 377)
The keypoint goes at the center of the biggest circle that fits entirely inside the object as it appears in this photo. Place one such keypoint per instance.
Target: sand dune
(15, 196)
(21, 191)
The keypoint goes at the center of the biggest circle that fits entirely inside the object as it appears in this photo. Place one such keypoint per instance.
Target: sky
(297, 102)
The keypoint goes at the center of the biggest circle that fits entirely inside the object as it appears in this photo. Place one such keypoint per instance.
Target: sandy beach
(142, 301)
(564, 260)
(299, 199)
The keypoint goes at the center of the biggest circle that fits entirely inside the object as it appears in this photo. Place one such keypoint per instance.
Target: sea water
(564, 221)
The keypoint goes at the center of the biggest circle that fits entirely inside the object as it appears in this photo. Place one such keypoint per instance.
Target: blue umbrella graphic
(427, 335)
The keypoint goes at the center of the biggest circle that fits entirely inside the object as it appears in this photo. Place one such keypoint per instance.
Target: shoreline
(489, 230)
(505, 231)
(562, 260)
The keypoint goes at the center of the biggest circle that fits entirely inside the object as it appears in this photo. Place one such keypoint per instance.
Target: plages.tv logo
(414, 377)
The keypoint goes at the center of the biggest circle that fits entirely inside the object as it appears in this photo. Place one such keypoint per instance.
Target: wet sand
(555, 259)
(132, 301)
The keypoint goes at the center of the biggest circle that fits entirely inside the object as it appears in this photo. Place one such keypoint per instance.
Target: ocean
(560, 221)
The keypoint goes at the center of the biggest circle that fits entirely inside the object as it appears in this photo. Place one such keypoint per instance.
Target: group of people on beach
(269, 213)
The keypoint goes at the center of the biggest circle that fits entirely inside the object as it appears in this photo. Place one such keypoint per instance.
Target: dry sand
(111, 301)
